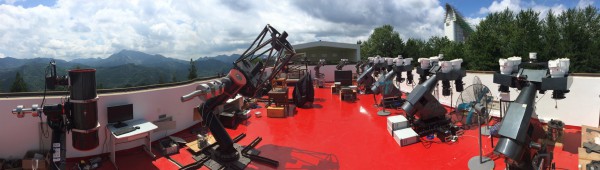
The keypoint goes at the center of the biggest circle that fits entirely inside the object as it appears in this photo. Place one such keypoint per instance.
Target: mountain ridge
(125, 68)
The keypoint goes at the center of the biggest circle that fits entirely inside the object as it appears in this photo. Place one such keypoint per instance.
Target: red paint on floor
(342, 135)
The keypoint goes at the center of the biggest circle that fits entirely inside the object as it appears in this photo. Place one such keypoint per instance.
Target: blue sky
(472, 8)
(30, 3)
(68, 29)
(469, 8)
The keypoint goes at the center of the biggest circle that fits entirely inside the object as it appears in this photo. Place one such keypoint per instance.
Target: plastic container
(446, 66)
(424, 62)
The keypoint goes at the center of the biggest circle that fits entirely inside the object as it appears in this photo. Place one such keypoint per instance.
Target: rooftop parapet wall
(22, 134)
(581, 107)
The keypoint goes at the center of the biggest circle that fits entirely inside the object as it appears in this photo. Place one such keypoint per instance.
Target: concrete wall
(18, 135)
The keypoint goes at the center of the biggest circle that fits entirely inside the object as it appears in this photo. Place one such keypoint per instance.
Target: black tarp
(304, 91)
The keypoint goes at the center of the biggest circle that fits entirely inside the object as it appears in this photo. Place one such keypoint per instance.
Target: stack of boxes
(281, 104)
(590, 137)
(397, 126)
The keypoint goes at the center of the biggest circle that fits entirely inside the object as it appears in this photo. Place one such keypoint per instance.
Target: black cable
(45, 133)
(105, 137)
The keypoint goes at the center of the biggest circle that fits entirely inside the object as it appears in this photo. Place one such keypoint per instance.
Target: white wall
(18, 135)
(449, 26)
(580, 107)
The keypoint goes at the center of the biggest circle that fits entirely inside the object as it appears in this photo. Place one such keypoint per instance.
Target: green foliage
(192, 71)
(574, 34)
(384, 42)
(435, 45)
(19, 84)
(173, 78)
(491, 41)
(161, 79)
(414, 49)
(578, 29)
(551, 37)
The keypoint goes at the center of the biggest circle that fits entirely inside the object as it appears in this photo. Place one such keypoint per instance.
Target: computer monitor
(118, 114)
(343, 76)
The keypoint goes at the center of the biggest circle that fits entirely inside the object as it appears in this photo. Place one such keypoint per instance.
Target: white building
(455, 27)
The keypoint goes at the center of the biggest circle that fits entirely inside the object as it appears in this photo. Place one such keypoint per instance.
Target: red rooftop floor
(341, 135)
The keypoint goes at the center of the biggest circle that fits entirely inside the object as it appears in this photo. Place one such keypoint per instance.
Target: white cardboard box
(397, 122)
(406, 137)
(390, 131)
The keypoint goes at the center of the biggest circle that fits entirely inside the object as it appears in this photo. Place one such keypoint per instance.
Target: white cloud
(517, 5)
(543, 10)
(474, 21)
(584, 3)
(2, 55)
(513, 5)
(191, 29)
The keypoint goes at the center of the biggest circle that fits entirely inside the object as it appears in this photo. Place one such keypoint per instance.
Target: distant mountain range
(126, 68)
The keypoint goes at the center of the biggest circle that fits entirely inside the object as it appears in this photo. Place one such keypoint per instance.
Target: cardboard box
(397, 122)
(194, 146)
(584, 162)
(591, 156)
(276, 112)
(390, 130)
(279, 97)
(37, 159)
(406, 136)
(588, 133)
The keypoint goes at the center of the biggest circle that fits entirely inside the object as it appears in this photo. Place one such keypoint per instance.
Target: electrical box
(406, 136)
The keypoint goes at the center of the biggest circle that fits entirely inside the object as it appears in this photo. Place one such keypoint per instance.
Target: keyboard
(124, 130)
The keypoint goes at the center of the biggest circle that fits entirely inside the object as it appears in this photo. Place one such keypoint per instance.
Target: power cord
(105, 138)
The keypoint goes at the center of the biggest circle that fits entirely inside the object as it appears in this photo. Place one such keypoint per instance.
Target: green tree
(453, 50)
(19, 84)
(526, 34)
(491, 41)
(576, 40)
(414, 48)
(173, 78)
(551, 38)
(192, 71)
(384, 42)
(436, 44)
(161, 79)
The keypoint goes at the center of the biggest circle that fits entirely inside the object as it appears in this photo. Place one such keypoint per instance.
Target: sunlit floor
(342, 135)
